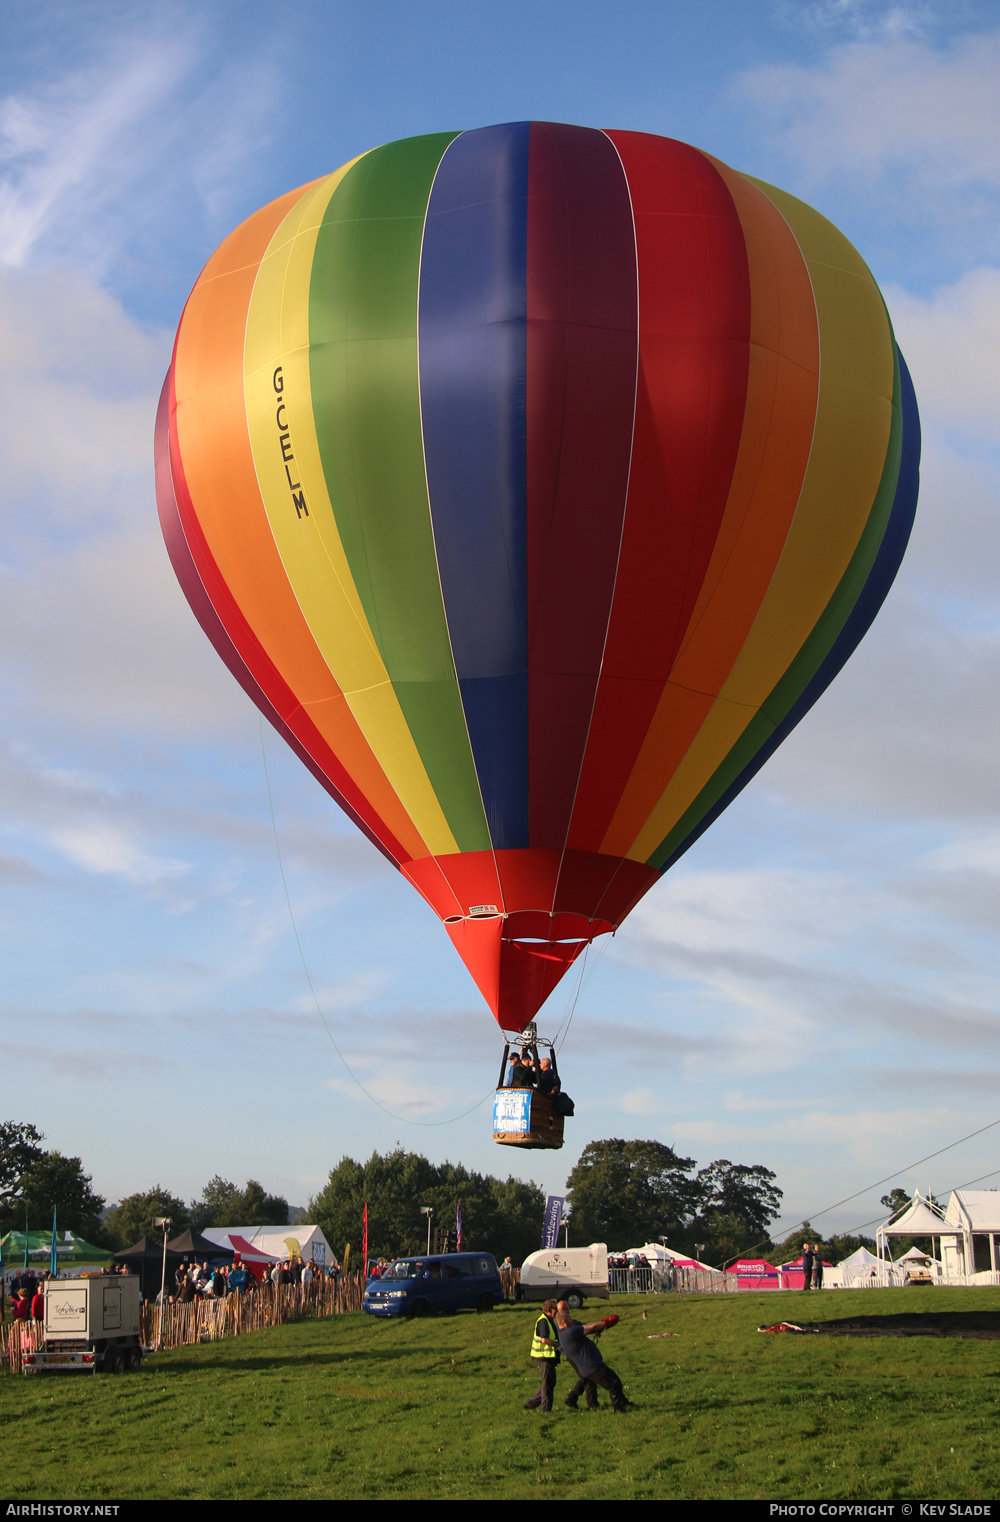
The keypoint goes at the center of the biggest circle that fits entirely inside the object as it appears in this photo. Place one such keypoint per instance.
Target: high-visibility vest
(539, 1349)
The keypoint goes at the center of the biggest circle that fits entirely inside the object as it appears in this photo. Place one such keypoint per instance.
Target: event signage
(553, 1220)
(512, 1111)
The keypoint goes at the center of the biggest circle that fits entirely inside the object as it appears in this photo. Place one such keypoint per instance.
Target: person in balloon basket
(545, 1354)
(586, 1359)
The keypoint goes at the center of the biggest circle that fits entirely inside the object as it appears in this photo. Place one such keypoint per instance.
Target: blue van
(453, 1282)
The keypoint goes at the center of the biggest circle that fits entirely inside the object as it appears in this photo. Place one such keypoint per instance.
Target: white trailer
(91, 1326)
(570, 1273)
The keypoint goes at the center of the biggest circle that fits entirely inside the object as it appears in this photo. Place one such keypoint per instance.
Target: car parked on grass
(418, 1285)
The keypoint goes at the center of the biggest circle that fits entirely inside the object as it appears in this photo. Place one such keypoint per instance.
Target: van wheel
(420, 1308)
(485, 1303)
(574, 1302)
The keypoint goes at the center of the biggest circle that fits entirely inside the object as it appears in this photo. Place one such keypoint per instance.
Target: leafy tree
(834, 1249)
(837, 1248)
(498, 1215)
(791, 1248)
(339, 1205)
(20, 1146)
(735, 1205)
(224, 1204)
(626, 1192)
(54, 1180)
(896, 1201)
(133, 1217)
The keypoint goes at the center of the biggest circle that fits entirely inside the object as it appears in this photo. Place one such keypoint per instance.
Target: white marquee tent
(967, 1232)
(276, 1242)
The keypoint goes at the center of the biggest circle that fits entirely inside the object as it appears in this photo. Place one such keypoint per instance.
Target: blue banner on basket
(512, 1111)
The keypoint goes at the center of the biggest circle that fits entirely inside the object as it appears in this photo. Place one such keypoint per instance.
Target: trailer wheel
(574, 1301)
(114, 1361)
(134, 1360)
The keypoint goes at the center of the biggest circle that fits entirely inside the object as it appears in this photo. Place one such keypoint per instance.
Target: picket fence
(210, 1320)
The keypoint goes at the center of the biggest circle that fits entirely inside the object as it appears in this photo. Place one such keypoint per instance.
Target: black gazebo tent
(191, 1244)
(146, 1260)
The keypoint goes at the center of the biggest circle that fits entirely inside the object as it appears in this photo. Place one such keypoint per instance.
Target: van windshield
(404, 1268)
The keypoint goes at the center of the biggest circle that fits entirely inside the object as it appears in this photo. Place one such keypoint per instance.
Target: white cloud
(860, 19)
(93, 625)
(951, 340)
(80, 144)
(641, 1101)
(103, 848)
(151, 140)
(975, 853)
(397, 1089)
(872, 106)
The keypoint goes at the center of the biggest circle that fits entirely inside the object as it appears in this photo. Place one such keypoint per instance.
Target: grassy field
(350, 1407)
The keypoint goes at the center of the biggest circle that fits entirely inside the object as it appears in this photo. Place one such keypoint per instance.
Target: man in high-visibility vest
(545, 1352)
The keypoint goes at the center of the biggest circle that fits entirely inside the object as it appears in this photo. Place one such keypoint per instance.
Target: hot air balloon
(534, 481)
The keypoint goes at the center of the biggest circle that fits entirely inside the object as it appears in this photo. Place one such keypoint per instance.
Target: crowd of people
(191, 1281)
(527, 1071)
(201, 1281)
(27, 1296)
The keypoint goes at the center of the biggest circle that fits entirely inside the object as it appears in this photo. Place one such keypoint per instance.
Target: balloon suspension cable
(563, 1032)
(405, 1119)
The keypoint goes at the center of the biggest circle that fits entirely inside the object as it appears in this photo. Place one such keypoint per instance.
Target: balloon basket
(534, 1123)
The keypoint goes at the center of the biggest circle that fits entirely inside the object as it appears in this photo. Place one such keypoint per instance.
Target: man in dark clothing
(547, 1082)
(807, 1264)
(586, 1359)
(545, 1354)
(520, 1074)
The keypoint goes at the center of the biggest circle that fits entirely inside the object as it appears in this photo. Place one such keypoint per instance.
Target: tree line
(624, 1193)
(33, 1180)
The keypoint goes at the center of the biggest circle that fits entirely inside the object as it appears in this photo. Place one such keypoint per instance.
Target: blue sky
(815, 986)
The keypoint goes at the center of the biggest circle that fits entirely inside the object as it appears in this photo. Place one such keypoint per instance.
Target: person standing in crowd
(808, 1258)
(585, 1357)
(545, 1354)
(238, 1279)
(818, 1268)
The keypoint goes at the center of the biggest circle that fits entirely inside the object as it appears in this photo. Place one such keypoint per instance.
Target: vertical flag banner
(458, 1227)
(553, 1220)
(53, 1251)
(364, 1241)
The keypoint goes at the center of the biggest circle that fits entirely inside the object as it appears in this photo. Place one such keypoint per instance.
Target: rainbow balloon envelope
(534, 481)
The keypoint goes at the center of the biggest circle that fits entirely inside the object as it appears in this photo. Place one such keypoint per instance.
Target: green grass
(351, 1407)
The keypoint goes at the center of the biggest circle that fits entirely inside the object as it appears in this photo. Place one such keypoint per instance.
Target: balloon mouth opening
(537, 940)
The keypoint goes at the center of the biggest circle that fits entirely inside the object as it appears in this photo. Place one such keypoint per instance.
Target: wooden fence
(211, 1320)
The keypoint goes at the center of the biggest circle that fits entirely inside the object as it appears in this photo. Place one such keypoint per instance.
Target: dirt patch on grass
(984, 1325)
